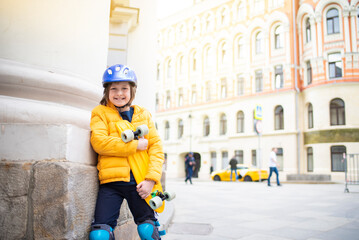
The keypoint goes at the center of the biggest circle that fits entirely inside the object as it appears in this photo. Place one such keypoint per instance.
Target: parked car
(245, 173)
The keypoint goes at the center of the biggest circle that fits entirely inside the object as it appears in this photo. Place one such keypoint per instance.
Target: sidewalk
(251, 210)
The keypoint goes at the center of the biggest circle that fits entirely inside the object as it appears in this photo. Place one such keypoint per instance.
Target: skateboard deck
(139, 164)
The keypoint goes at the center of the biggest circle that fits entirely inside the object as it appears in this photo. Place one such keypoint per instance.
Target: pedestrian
(233, 163)
(273, 164)
(117, 179)
(190, 164)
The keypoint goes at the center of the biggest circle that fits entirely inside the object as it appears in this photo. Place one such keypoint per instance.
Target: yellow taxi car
(244, 172)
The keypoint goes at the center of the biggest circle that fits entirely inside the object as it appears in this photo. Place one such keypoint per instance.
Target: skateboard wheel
(169, 195)
(155, 202)
(127, 136)
(142, 130)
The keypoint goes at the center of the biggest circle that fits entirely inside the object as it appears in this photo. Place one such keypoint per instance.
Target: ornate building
(297, 61)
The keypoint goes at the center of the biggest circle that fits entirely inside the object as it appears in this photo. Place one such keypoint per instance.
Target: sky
(169, 7)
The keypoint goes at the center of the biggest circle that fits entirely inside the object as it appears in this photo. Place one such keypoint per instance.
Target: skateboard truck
(129, 135)
(158, 198)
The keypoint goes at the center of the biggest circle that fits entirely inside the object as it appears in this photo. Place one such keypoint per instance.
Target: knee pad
(148, 230)
(101, 232)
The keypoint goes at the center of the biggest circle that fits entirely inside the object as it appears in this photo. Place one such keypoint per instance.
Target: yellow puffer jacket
(113, 153)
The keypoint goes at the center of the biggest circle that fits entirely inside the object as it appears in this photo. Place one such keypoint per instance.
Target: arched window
(194, 61)
(278, 37)
(279, 118)
(240, 50)
(240, 122)
(259, 43)
(223, 124)
(333, 21)
(337, 112)
(180, 129)
(181, 65)
(169, 69)
(310, 116)
(223, 53)
(167, 130)
(206, 127)
(308, 34)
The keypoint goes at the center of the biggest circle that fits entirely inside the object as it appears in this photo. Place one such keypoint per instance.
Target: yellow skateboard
(139, 165)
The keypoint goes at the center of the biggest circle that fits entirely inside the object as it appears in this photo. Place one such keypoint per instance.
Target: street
(251, 210)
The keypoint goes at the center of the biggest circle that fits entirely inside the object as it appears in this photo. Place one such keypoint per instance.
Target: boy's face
(120, 93)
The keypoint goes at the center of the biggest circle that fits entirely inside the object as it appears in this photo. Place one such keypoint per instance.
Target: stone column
(52, 55)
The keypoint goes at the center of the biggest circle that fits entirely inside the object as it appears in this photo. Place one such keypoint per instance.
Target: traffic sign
(258, 112)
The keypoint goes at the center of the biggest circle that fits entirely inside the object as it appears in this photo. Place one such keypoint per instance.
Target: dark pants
(110, 198)
(189, 174)
(275, 170)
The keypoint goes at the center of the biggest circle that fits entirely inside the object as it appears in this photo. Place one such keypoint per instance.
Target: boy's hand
(142, 144)
(144, 188)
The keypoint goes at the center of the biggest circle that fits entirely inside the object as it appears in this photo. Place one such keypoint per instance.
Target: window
(180, 97)
(214, 160)
(223, 17)
(333, 21)
(194, 95)
(168, 99)
(278, 37)
(223, 88)
(206, 127)
(223, 54)
(157, 102)
(224, 159)
(337, 112)
(208, 91)
(241, 11)
(169, 69)
(280, 159)
(309, 73)
(223, 125)
(279, 118)
(239, 156)
(254, 157)
(180, 129)
(167, 130)
(308, 34)
(194, 61)
(208, 57)
(158, 72)
(240, 122)
(240, 51)
(278, 76)
(259, 81)
(337, 157)
(259, 47)
(310, 116)
(310, 159)
(335, 65)
(181, 65)
(240, 85)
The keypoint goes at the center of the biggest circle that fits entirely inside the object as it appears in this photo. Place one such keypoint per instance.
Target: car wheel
(217, 178)
(247, 179)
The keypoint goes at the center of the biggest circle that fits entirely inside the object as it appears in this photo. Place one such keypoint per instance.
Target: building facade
(296, 61)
